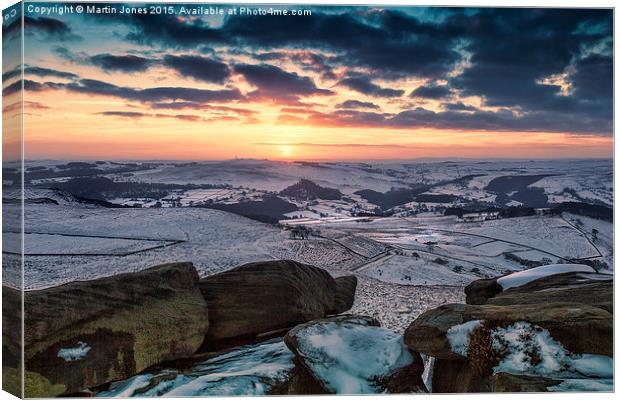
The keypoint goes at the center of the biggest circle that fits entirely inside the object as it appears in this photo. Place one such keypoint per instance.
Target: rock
(427, 334)
(11, 340)
(300, 382)
(541, 325)
(563, 288)
(267, 296)
(479, 291)
(354, 355)
(454, 376)
(345, 294)
(531, 280)
(580, 328)
(83, 334)
(508, 383)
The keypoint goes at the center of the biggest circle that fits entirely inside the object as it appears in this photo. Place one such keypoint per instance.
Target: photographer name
(157, 9)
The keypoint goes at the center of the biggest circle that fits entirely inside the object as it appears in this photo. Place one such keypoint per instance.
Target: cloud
(512, 50)
(277, 84)
(335, 145)
(182, 117)
(458, 106)
(503, 57)
(38, 71)
(503, 120)
(122, 63)
(357, 104)
(365, 86)
(124, 114)
(187, 105)
(156, 94)
(199, 68)
(593, 78)
(308, 60)
(379, 45)
(27, 105)
(29, 85)
(126, 63)
(51, 28)
(431, 92)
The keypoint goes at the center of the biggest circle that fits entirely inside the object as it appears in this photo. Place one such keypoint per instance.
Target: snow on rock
(584, 385)
(530, 350)
(74, 353)
(246, 371)
(349, 358)
(524, 277)
(458, 336)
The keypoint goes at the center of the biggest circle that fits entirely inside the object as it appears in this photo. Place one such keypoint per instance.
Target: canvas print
(287, 199)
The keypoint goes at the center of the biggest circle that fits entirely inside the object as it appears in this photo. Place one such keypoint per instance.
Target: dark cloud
(308, 60)
(29, 85)
(199, 68)
(107, 62)
(357, 104)
(38, 71)
(273, 82)
(458, 106)
(138, 115)
(364, 85)
(512, 50)
(593, 78)
(503, 57)
(51, 28)
(187, 105)
(124, 114)
(122, 63)
(431, 92)
(378, 46)
(150, 95)
(503, 120)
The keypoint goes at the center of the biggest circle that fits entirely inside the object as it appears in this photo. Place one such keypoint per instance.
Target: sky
(343, 83)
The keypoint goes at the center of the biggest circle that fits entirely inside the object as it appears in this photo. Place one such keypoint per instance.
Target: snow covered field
(405, 263)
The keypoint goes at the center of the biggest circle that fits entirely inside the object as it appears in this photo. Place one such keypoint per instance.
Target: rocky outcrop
(508, 383)
(83, 334)
(478, 292)
(354, 355)
(267, 296)
(345, 294)
(532, 335)
(554, 277)
(428, 333)
(11, 340)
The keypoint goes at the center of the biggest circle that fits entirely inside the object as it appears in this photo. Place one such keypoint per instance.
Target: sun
(286, 151)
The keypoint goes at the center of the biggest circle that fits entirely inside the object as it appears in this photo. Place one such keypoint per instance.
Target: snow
(382, 301)
(531, 350)
(348, 358)
(246, 371)
(127, 387)
(427, 375)
(584, 385)
(520, 340)
(458, 336)
(524, 277)
(74, 353)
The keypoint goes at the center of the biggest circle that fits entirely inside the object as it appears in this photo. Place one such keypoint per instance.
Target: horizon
(386, 160)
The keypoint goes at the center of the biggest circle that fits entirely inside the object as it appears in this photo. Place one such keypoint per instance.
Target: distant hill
(392, 198)
(307, 190)
(271, 209)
